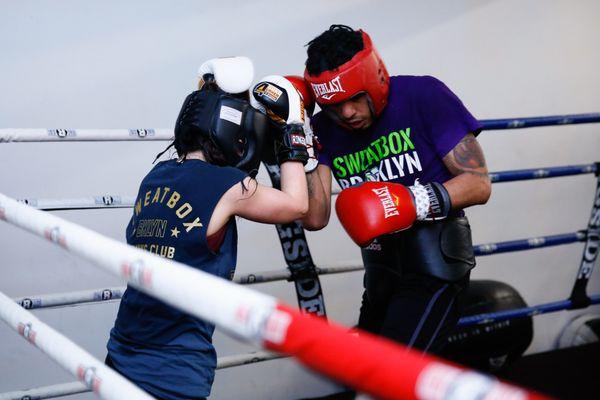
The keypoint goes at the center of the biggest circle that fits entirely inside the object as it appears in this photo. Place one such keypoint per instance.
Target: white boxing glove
(279, 99)
(232, 74)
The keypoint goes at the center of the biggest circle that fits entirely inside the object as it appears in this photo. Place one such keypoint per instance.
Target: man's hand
(372, 209)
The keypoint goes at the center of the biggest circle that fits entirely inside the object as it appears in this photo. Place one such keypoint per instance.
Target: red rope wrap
(378, 366)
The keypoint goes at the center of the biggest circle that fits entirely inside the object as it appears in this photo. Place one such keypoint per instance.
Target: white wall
(114, 64)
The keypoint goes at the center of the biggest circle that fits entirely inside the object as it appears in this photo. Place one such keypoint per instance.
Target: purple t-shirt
(422, 122)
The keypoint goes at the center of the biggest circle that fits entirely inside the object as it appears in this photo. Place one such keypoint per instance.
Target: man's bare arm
(471, 184)
(319, 198)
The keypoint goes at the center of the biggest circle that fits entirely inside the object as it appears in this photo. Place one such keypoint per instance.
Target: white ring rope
(93, 373)
(370, 364)
(66, 389)
(46, 392)
(105, 201)
(83, 135)
(115, 293)
(70, 298)
(88, 202)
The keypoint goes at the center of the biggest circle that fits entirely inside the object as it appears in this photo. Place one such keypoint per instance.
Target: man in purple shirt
(399, 129)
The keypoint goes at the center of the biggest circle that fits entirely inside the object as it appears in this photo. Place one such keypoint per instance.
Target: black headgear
(237, 129)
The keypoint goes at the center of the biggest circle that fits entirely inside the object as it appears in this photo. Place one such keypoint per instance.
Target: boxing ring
(258, 318)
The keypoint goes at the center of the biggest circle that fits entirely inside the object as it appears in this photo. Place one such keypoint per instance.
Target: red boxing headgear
(365, 72)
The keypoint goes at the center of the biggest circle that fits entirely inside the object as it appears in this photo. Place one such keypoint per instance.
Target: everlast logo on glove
(387, 201)
(328, 89)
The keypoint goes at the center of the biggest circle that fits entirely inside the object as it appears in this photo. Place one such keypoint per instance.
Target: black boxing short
(441, 249)
(415, 282)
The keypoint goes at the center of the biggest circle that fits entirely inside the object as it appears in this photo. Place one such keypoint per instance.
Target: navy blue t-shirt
(421, 123)
(163, 350)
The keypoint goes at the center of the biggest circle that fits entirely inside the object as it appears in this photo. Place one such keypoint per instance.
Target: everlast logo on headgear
(328, 89)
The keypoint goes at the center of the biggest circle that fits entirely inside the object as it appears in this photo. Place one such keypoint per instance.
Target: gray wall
(129, 64)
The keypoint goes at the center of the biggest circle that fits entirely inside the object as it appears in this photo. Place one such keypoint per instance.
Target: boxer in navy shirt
(185, 211)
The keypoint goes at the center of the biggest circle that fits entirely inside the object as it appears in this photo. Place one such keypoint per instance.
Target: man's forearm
(471, 184)
(318, 203)
(468, 189)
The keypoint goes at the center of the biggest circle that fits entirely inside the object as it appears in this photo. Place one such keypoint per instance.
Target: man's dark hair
(332, 48)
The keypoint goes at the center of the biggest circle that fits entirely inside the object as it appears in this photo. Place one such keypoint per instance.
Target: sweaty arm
(471, 184)
(319, 198)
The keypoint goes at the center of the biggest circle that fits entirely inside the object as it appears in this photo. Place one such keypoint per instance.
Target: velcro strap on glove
(291, 144)
(431, 200)
(312, 146)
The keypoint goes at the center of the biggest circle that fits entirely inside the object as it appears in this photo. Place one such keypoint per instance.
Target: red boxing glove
(372, 209)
